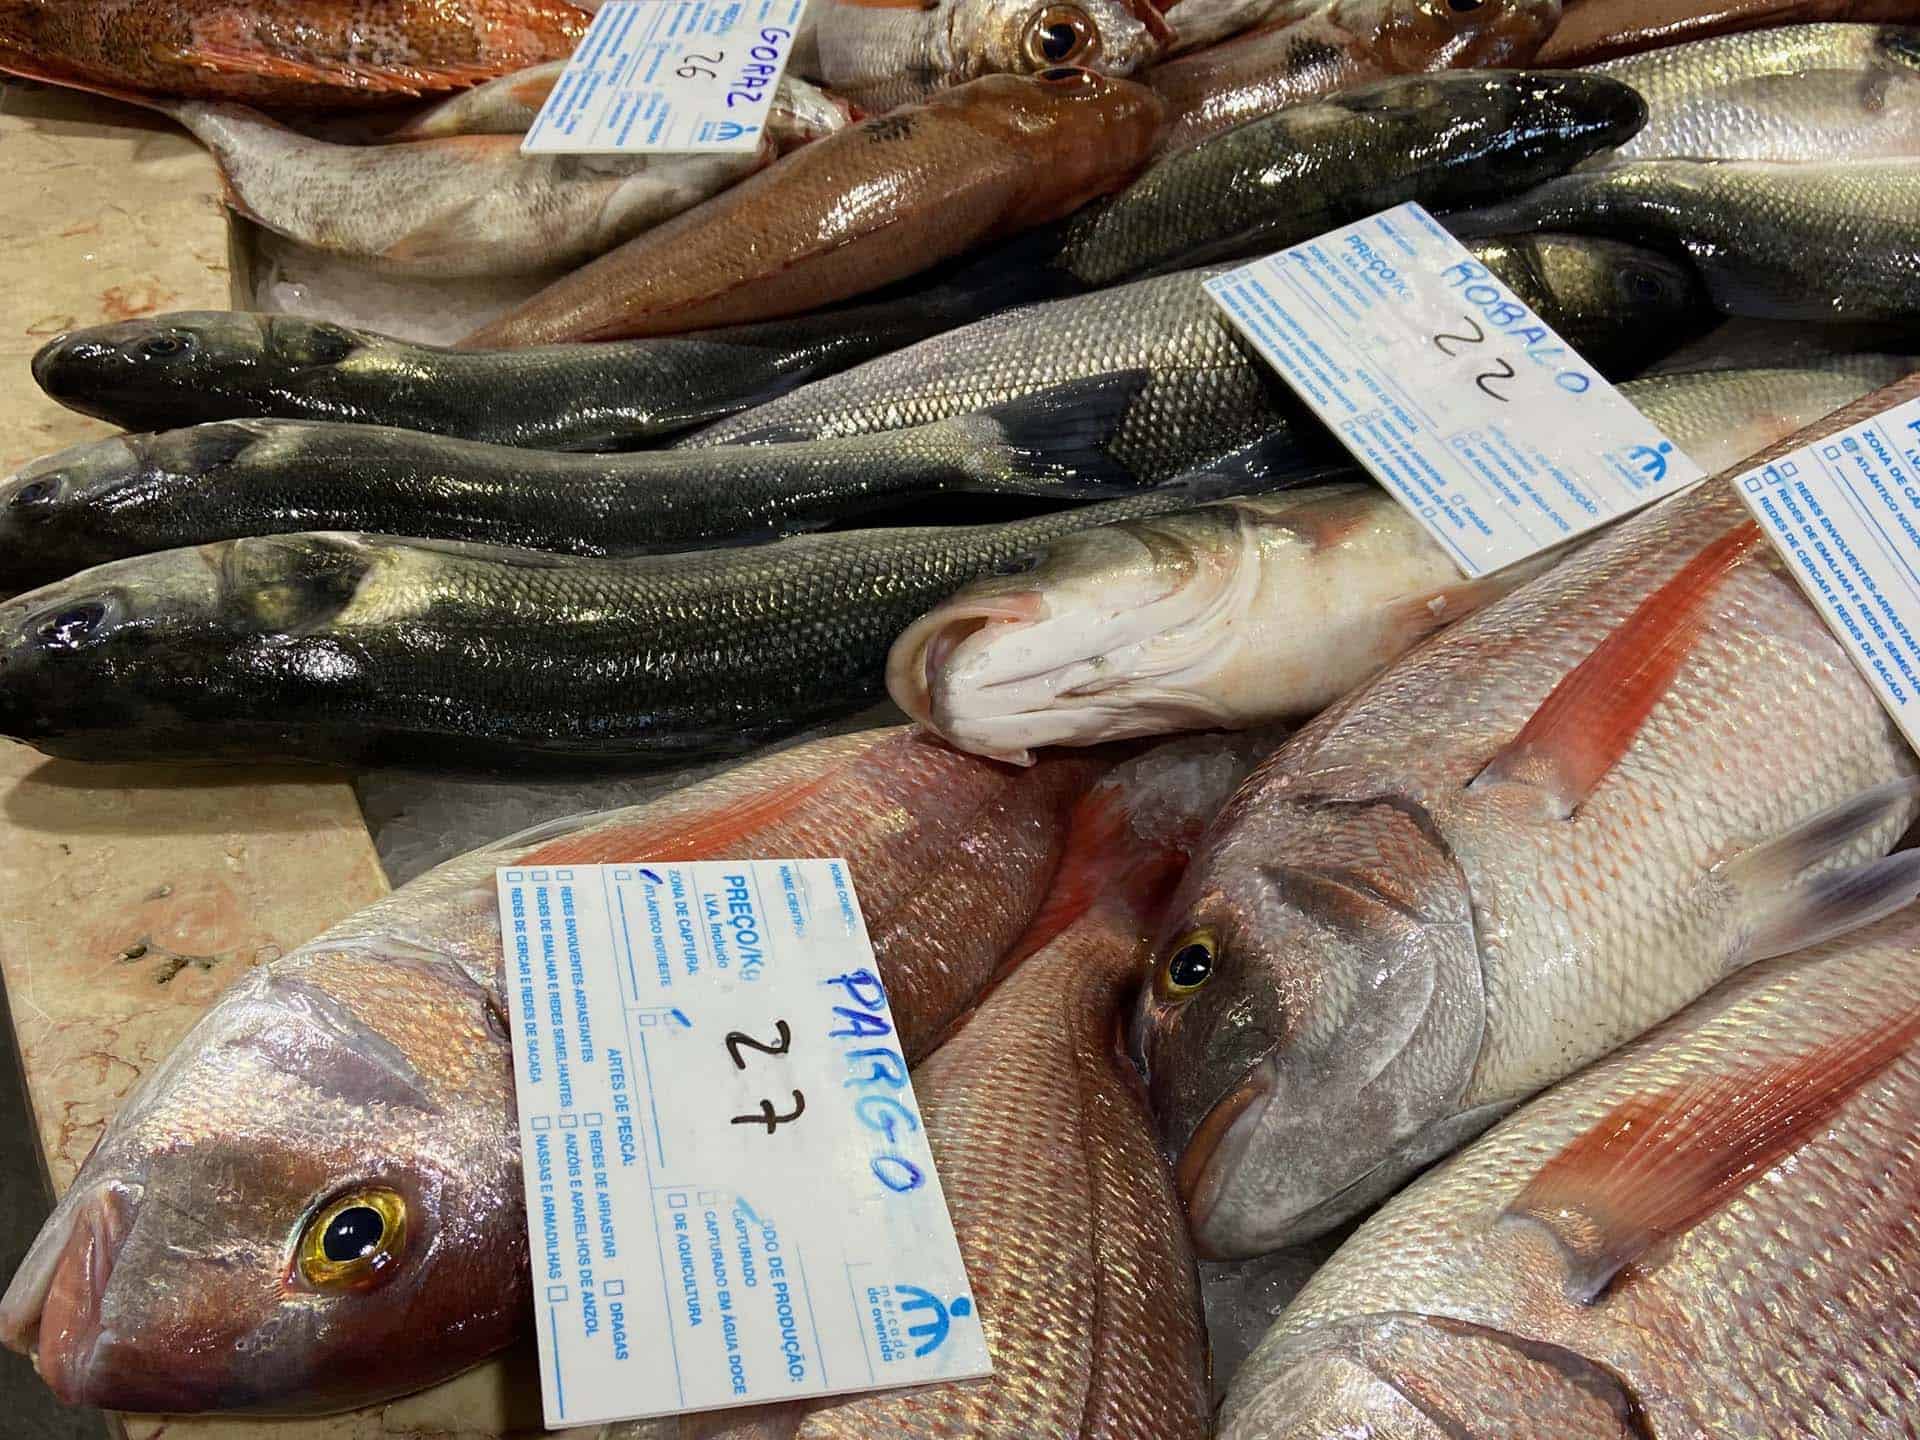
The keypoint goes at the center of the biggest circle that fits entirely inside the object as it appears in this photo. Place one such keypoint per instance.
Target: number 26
(690, 71)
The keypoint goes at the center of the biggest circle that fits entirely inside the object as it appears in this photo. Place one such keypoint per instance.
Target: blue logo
(933, 1332)
(1652, 459)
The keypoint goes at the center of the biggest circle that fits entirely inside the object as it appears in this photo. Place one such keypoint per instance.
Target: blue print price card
(669, 77)
(1461, 401)
(730, 1197)
(1845, 514)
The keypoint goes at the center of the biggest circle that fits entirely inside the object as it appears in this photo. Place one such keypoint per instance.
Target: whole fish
(371, 1068)
(1266, 607)
(873, 204)
(1779, 241)
(881, 53)
(508, 106)
(1709, 1233)
(134, 494)
(462, 207)
(170, 370)
(1313, 50)
(1082, 1273)
(1446, 141)
(1601, 29)
(1205, 390)
(1803, 92)
(1546, 830)
(283, 52)
(337, 646)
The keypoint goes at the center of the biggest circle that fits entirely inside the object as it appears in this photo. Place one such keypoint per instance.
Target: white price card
(669, 77)
(1482, 421)
(729, 1192)
(1845, 513)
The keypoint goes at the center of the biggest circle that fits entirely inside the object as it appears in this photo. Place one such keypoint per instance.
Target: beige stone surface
(131, 895)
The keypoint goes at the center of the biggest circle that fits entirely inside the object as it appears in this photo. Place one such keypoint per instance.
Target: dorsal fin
(1656, 1165)
(1590, 719)
(714, 834)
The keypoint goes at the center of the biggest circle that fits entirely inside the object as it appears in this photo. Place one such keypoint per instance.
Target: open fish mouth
(54, 1309)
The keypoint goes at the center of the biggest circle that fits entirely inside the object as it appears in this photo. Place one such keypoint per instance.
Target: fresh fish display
(283, 52)
(1601, 29)
(1778, 241)
(875, 203)
(372, 649)
(1803, 92)
(1541, 833)
(371, 1069)
(1073, 1238)
(1314, 49)
(508, 106)
(1644, 1250)
(1205, 391)
(1447, 141)
(881, 54)
(469, 206)
(1265, 607)
(134, 494)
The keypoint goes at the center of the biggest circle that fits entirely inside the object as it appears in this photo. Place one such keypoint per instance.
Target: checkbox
(676, 1199)
(1832, 452)
(623, 874)
(1753, 484)
(563, 874)
(569, 1122)
(648, 1020)
(556, 1292)
(709, 1197)
(614, 1289)
(593, 1118)
(1429, 509)
(514, 877)
(540, 1122)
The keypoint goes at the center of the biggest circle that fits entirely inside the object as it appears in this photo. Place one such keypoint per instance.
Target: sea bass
(1313, 50)
(1447, 141)
(1205, 391)
(336, 646)
(1779, 241)
(468, 206)
(1803, 92)
(366, 1079)
(880, 201)
(283, 52)
(1529, 841)
(1709, 1233)
(1265, 607)
(134, 494)
(1082, 1273)
(1601, 29)
(881, 54)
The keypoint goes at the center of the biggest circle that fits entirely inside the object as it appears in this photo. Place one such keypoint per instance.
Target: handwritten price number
(770, 1116)
(1478, 337)
(690, 71)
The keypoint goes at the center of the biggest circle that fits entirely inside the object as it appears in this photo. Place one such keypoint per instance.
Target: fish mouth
(54, 1308)
(918, 662)
(1213, 1150)
(45, 363)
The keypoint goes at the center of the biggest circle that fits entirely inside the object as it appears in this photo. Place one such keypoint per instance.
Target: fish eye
(1643, 285)
(68, 629)
(166, 347)
(353, 1240)
(1058, 36)
(35, 492)
(1188, 965)
(1464, 7)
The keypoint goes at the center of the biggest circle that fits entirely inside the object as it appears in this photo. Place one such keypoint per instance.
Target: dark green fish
(230, 479)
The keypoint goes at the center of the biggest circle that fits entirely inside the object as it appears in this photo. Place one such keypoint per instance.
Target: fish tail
(1056, 441)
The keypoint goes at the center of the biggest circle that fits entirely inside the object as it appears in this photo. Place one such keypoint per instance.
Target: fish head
(323, 1172)
(1422, 35)
(1105, 634)
(1542, 121)
(1027, 37)
(195, 365)
(1314, 1014)
(155, 646)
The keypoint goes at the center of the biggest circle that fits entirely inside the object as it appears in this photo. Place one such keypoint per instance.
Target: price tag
(1461, 401)
(730, 1197)
(1845, 512)
(669, 77)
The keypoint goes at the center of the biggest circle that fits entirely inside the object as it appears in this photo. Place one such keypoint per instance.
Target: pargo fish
(283, 52)
(1526, 843)
(883, 53)
(1708, 1234)
(316, 1201)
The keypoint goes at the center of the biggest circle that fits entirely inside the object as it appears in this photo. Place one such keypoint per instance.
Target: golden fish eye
(353, 1240)
(1061, 35)
(1188, 965)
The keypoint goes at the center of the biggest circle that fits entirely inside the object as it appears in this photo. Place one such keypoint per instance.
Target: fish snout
(1206, 1163)
(55, 1306)
(47, 360)
(918, 666)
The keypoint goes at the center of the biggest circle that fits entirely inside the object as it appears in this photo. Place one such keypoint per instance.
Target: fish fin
(45, 74)
(1597, 709)
(446, 236)
(1658, 1164)
(237, 59)
(1279, 460)
(1055, 440)
(701, 835)
(1418, 616)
